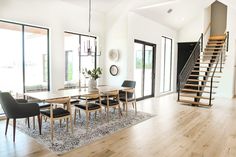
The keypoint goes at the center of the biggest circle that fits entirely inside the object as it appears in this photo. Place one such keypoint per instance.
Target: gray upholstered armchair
(14, 110)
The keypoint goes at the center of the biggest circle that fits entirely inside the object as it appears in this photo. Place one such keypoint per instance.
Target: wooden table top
(46, 95)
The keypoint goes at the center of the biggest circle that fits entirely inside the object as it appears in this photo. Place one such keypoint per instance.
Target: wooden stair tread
(193, 102)
(217, 37)
(195, 85)
(196, 91)
(206, 67)
(197, 80)
(195, 96)
(212, 55)
(215, 44)
(206, 76)
(205, 71)
(207, 63)
(215, 41)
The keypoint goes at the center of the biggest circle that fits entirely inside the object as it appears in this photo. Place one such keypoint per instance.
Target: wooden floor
(176, 131)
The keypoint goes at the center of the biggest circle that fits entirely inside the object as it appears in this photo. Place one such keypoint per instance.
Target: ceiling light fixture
(89, 42)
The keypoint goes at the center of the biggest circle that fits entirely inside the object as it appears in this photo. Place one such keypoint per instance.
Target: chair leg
(74, 117)
(28, 119)
(14, 129)
(87, 120)
(108, 114)
(79, 114)
(60, 123)
(123, 106)
(67, 124)
(71, 125)
(7, 122)
(33, 122)
(95, 114)
(39, 123)
(126, 108)
(135, 108)
(119, 111)
(51, 121)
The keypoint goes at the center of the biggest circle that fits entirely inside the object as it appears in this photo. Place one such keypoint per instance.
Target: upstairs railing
(186, 71)
(219, 62)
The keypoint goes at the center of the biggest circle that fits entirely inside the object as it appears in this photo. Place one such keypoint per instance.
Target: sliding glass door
(144, 73)
(24, 64)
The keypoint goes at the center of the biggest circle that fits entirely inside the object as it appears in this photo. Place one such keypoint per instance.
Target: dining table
(46, 96)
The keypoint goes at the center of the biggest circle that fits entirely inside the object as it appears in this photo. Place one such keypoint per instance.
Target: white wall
(192, 31)
(58, 16)
(147, 30)
(227, 83)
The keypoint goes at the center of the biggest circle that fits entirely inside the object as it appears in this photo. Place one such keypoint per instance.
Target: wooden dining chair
(129, 97)
(15, 110)
(89, 103)
(58, 113)
(111, 100)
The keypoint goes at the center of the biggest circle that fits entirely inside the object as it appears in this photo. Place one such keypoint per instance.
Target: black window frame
(80, 56)
(23, 50)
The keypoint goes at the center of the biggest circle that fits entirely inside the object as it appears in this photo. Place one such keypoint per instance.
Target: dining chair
(127, 95)
(111, 100)
(58, 113)
(14, 110)
(89, 103)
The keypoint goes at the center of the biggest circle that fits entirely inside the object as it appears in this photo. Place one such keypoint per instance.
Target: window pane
(11, 58)
(138, 49)
(166, 65)
(148, 70)
(72, 71)
(36, 62)
(77, 58)
(162, 64)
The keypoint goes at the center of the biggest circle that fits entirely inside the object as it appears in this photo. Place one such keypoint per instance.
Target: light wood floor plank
(176, 131)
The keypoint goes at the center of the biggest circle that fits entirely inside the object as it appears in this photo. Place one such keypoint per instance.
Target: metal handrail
(220, 59)
(186, 71)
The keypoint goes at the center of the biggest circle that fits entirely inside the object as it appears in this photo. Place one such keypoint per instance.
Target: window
(35, 59)
(76, 59)
(166, 65)
(144, 68)
(23, 58)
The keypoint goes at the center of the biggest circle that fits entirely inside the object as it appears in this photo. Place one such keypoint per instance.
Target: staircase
(200, 76)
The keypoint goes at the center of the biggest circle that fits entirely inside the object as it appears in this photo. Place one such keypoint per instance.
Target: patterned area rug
(66, 141)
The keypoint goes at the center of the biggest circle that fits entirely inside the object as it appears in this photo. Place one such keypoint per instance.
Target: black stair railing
(186, 71)
(220, 60)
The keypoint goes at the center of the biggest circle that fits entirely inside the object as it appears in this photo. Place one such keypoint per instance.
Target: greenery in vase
(95, 73)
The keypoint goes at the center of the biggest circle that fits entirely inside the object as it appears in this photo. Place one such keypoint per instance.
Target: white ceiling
(97, 5)
(182, 10)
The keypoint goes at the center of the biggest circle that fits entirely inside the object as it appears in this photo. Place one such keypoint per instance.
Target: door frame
(143, 68)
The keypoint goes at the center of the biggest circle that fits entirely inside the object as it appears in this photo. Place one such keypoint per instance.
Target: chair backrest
(129, 83)
(9, 104)
(113, 93)
(91, 96)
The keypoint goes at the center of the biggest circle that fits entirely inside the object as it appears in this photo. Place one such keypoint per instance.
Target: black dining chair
(15, 110)
(128, 95)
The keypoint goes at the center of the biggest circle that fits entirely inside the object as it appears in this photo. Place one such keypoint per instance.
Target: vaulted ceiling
(172, 13)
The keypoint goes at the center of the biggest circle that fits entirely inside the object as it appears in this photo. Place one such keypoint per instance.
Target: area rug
(99, 127)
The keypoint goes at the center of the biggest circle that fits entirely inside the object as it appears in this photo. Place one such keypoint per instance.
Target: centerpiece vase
(92, 85)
